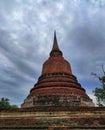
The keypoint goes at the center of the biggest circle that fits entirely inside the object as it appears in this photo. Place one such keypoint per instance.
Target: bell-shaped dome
(57, 86)
(56, 63)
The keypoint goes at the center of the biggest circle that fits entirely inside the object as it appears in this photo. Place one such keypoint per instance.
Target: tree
(4, 104)
(100, 92)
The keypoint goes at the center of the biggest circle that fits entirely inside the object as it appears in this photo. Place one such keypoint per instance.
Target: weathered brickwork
(58, 128)
(54, 117)
(56, 102)
(57, 86)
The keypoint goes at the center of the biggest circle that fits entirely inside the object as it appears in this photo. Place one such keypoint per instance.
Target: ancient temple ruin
(57, 86)
(56, 102)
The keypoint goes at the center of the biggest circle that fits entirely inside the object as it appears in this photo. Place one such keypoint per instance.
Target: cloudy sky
(26, 37)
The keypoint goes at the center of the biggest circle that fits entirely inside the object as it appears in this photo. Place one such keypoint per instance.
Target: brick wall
(63, 118)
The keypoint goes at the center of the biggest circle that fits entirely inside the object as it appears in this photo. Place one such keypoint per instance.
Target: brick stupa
(57, 86)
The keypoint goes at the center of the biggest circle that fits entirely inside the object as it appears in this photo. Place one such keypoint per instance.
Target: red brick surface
(57, 80)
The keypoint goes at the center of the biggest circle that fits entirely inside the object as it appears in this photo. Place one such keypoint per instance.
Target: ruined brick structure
(53, 118)
(57, 86)
(56, 102)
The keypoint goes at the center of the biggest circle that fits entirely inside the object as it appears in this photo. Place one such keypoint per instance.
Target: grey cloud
(85, 46)
(20, 72)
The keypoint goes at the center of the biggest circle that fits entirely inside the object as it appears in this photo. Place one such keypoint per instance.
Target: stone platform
(53, 118)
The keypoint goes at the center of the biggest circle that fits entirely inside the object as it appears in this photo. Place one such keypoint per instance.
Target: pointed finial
(55, 49)
(55, 43)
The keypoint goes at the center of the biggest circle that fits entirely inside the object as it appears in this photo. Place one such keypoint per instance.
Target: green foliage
(4, 104)
(100, 92)
(100, 96)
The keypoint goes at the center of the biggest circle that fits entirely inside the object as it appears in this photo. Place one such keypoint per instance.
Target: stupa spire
(55, 49)
(55, 43)
(57, 86)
